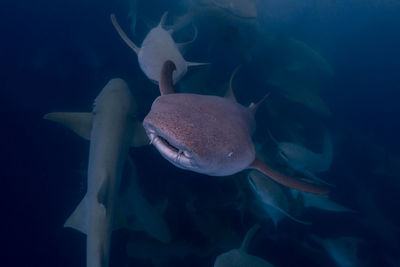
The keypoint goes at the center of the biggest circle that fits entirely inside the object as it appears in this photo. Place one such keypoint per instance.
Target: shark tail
(123, 35)
(289, 181)
(166, 83)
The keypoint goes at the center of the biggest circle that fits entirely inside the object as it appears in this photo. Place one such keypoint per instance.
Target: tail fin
(166, 83)
(289, 181)
(123, 35)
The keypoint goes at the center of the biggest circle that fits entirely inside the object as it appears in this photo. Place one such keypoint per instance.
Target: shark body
(157, 47)
(304, 160)
(274, 199)
(208, 134)
(111, 127)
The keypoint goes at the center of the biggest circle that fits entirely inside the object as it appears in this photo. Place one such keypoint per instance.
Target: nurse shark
(208, 134)
(157, 47)
(112, 127)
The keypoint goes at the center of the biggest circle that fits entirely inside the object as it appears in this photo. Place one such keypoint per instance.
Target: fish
(112, 127)
(240, 257)
(208, 134)
(304, 160)
(273, 197)
(157, 47)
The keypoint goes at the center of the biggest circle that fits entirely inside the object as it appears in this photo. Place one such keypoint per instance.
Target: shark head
(205, 134)
(115, 97)
(202, 133)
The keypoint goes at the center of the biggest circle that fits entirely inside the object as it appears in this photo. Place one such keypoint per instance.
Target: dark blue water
(57, 55)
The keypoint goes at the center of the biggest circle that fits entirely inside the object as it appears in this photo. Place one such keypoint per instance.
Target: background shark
(112, 128)
(157, 47)
(304, 160)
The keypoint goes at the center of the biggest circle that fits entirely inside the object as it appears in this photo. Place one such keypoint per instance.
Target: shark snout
(172, 151)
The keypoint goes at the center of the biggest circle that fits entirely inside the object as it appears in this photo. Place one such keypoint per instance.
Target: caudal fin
(123, 35)
(289, 181)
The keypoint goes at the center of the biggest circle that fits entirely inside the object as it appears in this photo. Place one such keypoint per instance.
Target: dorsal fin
(163, 19)
(123, 35)
(249, 236)
(253, 107)
(166, 81)
(230, 94)
(289, 181)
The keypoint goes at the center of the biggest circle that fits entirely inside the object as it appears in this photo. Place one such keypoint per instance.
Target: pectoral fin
(289, 181)
(79, 122)
(192, 64)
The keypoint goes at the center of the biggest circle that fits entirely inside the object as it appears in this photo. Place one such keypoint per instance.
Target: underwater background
(327, 65)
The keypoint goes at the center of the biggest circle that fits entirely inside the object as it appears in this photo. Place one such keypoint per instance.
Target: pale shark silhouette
(208, 134)
(304, 160)
(112, 127)
(239, 257)
(274, 198)
(157, 47)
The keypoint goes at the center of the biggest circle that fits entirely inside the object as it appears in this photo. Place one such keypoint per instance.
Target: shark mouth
(180, 157)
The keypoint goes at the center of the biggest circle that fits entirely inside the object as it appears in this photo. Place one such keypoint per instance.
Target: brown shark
(208, 134)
